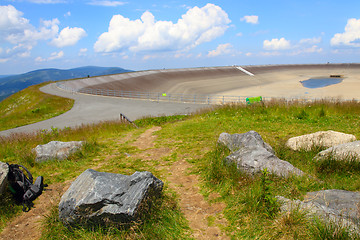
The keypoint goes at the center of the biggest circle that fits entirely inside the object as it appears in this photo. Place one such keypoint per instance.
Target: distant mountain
(14, 83)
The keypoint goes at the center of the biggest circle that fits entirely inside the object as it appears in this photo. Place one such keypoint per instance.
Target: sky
(143, 34)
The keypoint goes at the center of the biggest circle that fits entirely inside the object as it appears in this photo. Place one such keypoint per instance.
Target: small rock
(252, 155)
(56, 150)
(341, 152)
(108, 198)
(4, 170)
(322, 138)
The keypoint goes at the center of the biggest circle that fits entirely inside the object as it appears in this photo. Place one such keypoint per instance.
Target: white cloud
(302, 50)
(53, 56)
(47, 1)
(68, 37)
(147, 57)
(351, 36)
(220, 50)
(277, 44)
(239, 34)
(249, 54)
(315, 40)
(106, 3)
(68, 14)
(253, 19)
(19, 37)
(196, 26)
(12, 22)
(83, 51)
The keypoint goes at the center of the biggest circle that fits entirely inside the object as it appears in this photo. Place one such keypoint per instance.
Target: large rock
(338, 206)
(252, 155)
(106, 198)
(319, 139)
(340, 152)
(4, 170)
(56, 150)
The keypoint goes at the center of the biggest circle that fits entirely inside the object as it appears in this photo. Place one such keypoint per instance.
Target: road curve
(89, 109)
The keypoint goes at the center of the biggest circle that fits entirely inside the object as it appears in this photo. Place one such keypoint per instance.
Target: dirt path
(204, 218)
(27, 226)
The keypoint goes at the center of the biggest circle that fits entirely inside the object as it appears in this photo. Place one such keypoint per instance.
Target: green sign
(253, 100)
(164, 94)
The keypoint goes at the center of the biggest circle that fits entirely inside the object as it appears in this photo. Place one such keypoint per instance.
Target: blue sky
(139, 35)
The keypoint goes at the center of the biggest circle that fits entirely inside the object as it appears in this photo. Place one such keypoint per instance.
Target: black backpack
(22, 186)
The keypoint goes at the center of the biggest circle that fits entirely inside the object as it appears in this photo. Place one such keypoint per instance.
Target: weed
(267, 198)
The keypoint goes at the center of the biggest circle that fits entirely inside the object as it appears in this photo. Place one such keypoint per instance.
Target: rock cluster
(108, 198)
(252, 155)
(56, 150)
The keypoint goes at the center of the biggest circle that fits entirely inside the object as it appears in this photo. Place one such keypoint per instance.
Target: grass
(31, 105)
(250, 210)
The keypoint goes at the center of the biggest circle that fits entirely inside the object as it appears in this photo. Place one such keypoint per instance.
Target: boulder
(108, 198)
(56, 150)
(4, 170)
(339, 206)
(340, 152)
(252, 155)
(236, 141)
(322, 139)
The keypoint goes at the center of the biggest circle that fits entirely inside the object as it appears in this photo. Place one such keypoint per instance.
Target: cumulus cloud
(220, 50)
(351, 36)
(253, 19)
(106, 3)
(277, 44)
(53, 56)
(196, 26)
(68, 37)
(19, 36)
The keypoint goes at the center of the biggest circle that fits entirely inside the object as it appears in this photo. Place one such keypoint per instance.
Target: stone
(108, 198)
(4, 170)
(56, 150)
(319, 139)
(339, 206)
(252, 155)
(341, 152)
(236, 141)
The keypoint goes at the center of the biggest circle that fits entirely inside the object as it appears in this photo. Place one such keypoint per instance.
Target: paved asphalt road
(92, 109)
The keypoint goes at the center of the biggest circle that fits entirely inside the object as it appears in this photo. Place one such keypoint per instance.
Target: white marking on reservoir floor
(247, 72)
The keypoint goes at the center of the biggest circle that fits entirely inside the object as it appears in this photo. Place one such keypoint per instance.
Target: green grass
(31, 105)
(250, 210)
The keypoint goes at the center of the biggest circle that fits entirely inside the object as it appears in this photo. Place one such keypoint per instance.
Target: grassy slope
(30, 106)
(249, 216)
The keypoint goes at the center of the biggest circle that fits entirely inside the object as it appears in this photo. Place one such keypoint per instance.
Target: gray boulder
(322, 138)
(341, 152)
(4, 170)
(56, 150)
(252, 155)
(237, 141)
(108, 198)
(339, 206)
